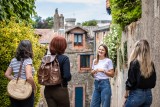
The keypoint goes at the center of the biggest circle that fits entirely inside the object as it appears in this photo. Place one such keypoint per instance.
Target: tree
(43, 24)
(90, 23)
(50, 22)
(20, 9)
(37, 21)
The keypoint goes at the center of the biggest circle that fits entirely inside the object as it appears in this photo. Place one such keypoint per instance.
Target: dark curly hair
(24, 50)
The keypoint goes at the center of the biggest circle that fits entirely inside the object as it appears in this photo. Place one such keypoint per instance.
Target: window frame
(78, 39)
(73, 95)
(85, 60)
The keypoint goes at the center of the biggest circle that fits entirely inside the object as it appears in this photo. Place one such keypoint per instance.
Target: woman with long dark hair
(102, 69)
(23, 56)
(141, 76)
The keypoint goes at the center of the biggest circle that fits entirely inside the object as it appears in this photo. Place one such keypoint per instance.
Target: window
(78, 39)
(84, 61)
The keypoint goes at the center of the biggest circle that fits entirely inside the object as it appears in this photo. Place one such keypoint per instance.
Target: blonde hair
(141, 52)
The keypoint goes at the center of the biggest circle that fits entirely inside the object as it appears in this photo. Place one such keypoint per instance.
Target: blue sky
(82, 10)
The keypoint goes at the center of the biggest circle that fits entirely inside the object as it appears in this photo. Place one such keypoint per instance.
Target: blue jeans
(139, 98)
(29, 102)
(101, 93)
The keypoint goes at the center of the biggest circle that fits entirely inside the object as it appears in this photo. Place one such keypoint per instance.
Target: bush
(125, 12)
(10, 35)
(113, 40)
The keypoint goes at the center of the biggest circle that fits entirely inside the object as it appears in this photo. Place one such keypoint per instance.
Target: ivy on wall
(125, 12)
(123, 56)
(112, 40)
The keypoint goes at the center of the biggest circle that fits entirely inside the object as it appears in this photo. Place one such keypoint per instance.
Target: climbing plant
(125, 12)
(112, 40)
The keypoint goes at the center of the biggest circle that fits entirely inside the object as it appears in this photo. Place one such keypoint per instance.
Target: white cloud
(73, 1)
(82, 10)
(97, 13)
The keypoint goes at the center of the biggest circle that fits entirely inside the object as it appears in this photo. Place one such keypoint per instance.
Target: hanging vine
(125, 12)
(112, 40)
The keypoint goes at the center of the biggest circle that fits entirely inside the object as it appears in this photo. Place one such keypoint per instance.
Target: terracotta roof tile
(46, 35)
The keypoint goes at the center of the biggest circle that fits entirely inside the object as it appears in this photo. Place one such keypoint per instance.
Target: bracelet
(93, 71)
(104, 71)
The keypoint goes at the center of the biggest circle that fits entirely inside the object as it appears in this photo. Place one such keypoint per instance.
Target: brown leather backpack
(49, 71)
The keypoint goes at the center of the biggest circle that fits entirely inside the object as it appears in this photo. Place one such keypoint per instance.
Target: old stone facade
(81, 42)
(148, 27)
(80, 52)
(58, 21)
(99, 35)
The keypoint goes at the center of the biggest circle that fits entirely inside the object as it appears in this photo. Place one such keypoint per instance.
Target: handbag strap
(20, 69)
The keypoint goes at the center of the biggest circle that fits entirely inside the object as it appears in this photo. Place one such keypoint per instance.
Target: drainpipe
(94, 44)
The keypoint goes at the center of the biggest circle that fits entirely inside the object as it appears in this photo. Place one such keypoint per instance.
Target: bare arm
(8, 73)
(109, 73)
(29, 76)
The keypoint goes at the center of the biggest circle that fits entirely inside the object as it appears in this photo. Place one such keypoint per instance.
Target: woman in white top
(24, 53)
(102, 69)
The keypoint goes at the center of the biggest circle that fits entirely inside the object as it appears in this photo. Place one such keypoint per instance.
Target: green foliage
(90, 23)
(4, 101)
(125, 54)
(21, 9)
(112, 40)
(10, 36)
(125, 12)
(43, 24)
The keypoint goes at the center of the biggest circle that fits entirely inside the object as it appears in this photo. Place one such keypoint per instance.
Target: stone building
(99, 35)
(70, 22)
(58, 21)
(80, 50)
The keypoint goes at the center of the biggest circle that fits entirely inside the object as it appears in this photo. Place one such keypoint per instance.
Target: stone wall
(80, 75)
(82, 79)
(148, 27)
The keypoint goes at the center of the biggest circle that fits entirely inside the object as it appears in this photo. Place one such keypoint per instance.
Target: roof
(74, 27)
(90, 30)
(104, 28)
(46, 35)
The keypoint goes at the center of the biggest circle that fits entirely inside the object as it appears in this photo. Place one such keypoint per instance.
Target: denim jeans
(101, 93)
(139, 98)
(29, 102)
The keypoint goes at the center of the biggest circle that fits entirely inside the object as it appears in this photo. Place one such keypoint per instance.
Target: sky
(82, 10)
